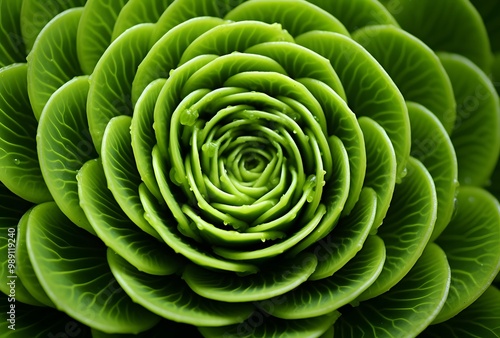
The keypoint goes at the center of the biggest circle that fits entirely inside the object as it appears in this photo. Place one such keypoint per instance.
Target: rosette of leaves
(260, 168)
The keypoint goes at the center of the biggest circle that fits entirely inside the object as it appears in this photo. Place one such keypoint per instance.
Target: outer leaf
(71, 267)
(297, 17)
(432, 146)
(480, 319)
(53, 60)
(139, 11)
(329, 294)
(116, 230)
(110, 87)
(380, 166)
(347, 238)
(407, 227)
(35, 14)
(370, 91)
(448, 25)
(24, 268)
(64, 145)
(472, 244)
(170, 297)
(19, 167)
(414, 67)
(270, 282)
(122, 177)
(94, 31)
(357, 14)
(12, 49)
(475, 135)
(405, 310)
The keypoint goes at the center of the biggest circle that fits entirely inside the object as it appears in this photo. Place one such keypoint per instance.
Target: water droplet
(17, 161)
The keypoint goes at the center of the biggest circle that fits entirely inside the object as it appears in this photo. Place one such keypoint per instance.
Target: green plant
(271, 168)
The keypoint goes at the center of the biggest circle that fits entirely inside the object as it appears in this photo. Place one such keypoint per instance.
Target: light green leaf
(270, 282)
(405, 310)
(72, 268)
(472, 244)
(357, 14)
(12, 48)
(64, 145)
(116, 230)
(414, 68)
(138, 11)
(407, 227)
(94, 31)
(347, 238)
(19, 166)
(297, 17)
(380, 166)
(480, 319)
(329, 294)
(369, 90)
(171, 298)
(449, 25)
(53, 60)
(110, 87)
(122, 177)
(432, 146)
(475, 135)
(35, 14)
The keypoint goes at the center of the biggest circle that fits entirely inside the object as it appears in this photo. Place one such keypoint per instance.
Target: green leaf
(19, 167)
(116, 230)
(297, 17)
(72, 268)
(432, 146)
(143, 138)
(342, 122)
(64, 145)
(407, 227)
(414, 68)
(24, 268)
(35, 14)
(329, 294)
(357, 14)
(475, 134)
(110, 86)
(260, 324)
(11, 283)
(405, 310)
(166, 53)
(269, 282)
(182, 11)
(12, 49)
(370, 91)
(380, 166)
(300, 63)
(174, 329)
(472, 244)
(94, 31)
(347, 238)
(171, 298)
(53, 60)
(185, 246)
(122, 177)
(452, 26)
(480, 319)
(234, 36)
(138, 11)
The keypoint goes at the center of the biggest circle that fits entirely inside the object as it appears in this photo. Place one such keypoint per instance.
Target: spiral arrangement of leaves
(260, 168)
